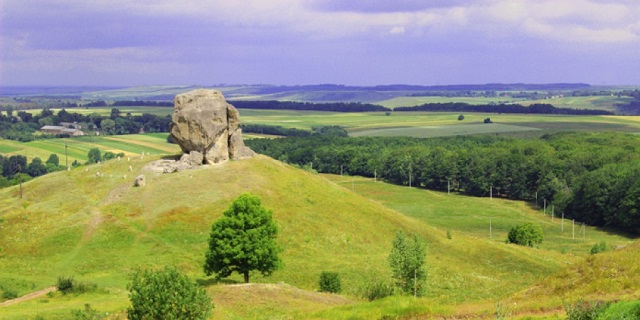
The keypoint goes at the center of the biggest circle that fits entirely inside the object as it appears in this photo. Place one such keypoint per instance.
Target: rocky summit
(207, 128)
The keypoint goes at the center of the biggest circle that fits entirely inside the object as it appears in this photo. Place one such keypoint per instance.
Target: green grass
(78, 148)
(475, 216)
(608, 103)
(410, 101)
(100, 229)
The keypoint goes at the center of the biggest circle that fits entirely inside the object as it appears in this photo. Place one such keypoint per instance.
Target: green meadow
(100, 229)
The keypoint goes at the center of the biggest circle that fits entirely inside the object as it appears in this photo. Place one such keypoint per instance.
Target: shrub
(330, 282)
(460, 117)
(69, 285)
(487, 120)
(65, 285)
(527, 234)
(377, 289)
(449, 235)
(9, 294)
(582, 310)
(599, 247)
(166, 294)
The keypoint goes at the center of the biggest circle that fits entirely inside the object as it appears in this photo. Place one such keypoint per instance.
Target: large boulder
(203, 123)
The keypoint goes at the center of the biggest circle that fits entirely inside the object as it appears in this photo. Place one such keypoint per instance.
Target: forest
(502, 108)
(590, 177)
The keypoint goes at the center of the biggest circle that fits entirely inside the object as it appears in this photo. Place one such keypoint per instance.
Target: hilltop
(99, 228)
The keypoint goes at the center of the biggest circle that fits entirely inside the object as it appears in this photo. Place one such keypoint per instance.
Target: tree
(36, 168)
(107, 126)
(527, 234)
(460, 117)
(243, 240)
(53, 159)
(487, 120)
(166, 294)
(94, 155)
(407, 264)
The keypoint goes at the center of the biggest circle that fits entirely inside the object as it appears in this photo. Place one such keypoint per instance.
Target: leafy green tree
(107, 126)
(243, 240)
(527, 234)
(94, 155)
(407, 262)
(36, 168)
(53, 159)
(460, 117)
(166, 294)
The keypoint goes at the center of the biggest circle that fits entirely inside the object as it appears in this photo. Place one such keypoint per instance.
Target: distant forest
(591, 177)
(502, 108)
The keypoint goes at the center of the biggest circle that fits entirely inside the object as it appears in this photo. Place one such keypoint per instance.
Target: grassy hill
(98, 229)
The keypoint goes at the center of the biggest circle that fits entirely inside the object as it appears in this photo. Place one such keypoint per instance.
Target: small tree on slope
(243, 240)
(407, 264)
(166, 294)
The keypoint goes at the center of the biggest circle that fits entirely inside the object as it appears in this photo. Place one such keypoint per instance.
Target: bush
(330, 282)
(65, 285)
(527, 234)
(69, 285)
(487, 120)
(599, 247)
(460, 117)
(166, 294)
(9, 294)
(377, 289)
(582, 310)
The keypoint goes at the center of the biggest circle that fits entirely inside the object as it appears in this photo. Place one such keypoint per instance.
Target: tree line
(539, 108)
(23, 125)
(591, 177)
(293, 105)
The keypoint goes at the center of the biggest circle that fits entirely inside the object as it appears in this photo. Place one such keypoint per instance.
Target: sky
(298, 42)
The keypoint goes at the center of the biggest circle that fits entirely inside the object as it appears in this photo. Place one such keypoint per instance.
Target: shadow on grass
(214, 281)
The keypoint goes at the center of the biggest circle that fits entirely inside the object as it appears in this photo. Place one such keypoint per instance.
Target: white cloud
(397, 30)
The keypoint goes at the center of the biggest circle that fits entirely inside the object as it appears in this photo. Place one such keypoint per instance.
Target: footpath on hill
(29, 296)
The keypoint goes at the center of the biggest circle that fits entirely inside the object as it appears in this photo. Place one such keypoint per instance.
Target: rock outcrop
(207, 128)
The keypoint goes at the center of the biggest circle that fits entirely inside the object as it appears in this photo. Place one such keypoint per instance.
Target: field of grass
(78, 148)
(597, 102)
(485, 218)
(98, 229)
(410, 101)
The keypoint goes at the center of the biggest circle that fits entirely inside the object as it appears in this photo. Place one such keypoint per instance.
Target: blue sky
(200, 42)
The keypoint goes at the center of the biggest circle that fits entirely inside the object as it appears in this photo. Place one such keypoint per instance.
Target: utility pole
(553, 208)
(375, 175)
(544, 210)
(491, 192)
(573, 230)
(584, 232)
(66, 156)
(562, 221)
(448, 186)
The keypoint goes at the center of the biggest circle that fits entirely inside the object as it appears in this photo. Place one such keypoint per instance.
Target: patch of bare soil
(29, 296)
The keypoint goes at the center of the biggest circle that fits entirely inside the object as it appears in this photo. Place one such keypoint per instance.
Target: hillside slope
(90, 223)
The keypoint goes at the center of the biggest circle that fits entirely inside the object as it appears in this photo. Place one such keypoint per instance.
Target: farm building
(72, 129)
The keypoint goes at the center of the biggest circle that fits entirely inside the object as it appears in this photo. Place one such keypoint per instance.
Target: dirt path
(29, 296)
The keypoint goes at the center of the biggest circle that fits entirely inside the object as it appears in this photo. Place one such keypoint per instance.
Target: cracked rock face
(207, 127)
